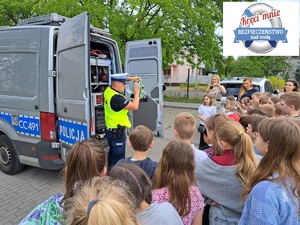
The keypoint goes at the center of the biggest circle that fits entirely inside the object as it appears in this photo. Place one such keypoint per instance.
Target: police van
(53, 71)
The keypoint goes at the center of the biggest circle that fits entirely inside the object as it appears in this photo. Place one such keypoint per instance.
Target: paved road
(20, 193)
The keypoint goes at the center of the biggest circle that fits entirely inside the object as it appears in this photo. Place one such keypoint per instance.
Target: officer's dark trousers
(117, 147)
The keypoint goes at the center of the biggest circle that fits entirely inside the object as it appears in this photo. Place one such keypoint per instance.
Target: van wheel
(9, 161)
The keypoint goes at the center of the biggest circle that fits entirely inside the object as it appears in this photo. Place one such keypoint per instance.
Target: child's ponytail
(245, 157)
(233, 133)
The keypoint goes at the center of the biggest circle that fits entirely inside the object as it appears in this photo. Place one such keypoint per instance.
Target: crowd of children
(248, 172)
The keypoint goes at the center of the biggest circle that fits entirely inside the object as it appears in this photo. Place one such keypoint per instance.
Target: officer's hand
(136, 89)
(135, 79)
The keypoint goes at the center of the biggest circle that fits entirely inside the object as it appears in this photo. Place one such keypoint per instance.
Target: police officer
(116, 108)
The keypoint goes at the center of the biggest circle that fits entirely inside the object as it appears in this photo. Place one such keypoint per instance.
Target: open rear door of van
(72, 82)
(143, 58)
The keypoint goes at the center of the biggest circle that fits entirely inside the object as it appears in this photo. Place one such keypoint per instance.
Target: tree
(247, 67)
(275, 65)
(186, 27)
(224, 65)
(260, 66)
(12, 11)
(297, 74)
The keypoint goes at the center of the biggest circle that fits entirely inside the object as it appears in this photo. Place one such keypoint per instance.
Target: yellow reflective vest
(113, 118)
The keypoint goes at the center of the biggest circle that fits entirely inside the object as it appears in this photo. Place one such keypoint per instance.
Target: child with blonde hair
(184, 128)
(273, 192)
(256, 96)
(264, 101)
(92, 158)
(204, 111)
(230, 98)
(233, 110)
(222, 178)
(175, 182)
(245, 103)
(101, 201)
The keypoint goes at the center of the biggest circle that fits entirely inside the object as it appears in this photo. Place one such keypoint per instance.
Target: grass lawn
(184, 100)
(193, 87)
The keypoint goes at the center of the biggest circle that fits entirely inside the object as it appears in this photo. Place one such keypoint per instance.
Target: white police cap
(119, 77)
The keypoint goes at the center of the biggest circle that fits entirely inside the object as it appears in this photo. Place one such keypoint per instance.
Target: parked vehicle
(53, 71)
(234, 84)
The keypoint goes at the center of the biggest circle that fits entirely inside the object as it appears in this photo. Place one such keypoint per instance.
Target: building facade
(177, 74)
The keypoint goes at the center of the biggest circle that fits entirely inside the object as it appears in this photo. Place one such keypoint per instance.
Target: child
(233, 110)
(211, 123)
(209, 141)
(268, 110)
(101, 201)
(272, 195)
(273, 100)
(232, 148)
(91, 156)
(221, 179)
(290, 104)
(204, 111)
(278, 111)
(245, 104)
(263, 101)
(256, 96)
(230, 98)
(140, 186)
(244, 121)
(175, 182)
(252, 128)
(252, 105)
(256, 111)
(209, 133)
(141, 139)
(184, 128)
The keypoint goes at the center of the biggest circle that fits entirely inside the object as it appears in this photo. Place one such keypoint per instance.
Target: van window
(18, 74)
(234, 89)
(268, 87)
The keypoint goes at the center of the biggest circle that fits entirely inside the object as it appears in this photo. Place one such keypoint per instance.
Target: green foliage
(286, 77)
(224, 66)
(260, 66)
(183, 100)
(182, 36)
(277, 83)
(247, 67)
(297, 74)
(187, 28)
(12, 11)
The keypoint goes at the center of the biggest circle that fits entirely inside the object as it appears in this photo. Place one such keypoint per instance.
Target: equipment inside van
(53, 72)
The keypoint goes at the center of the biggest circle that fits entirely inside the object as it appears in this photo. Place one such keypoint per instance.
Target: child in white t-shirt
(204, 111)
